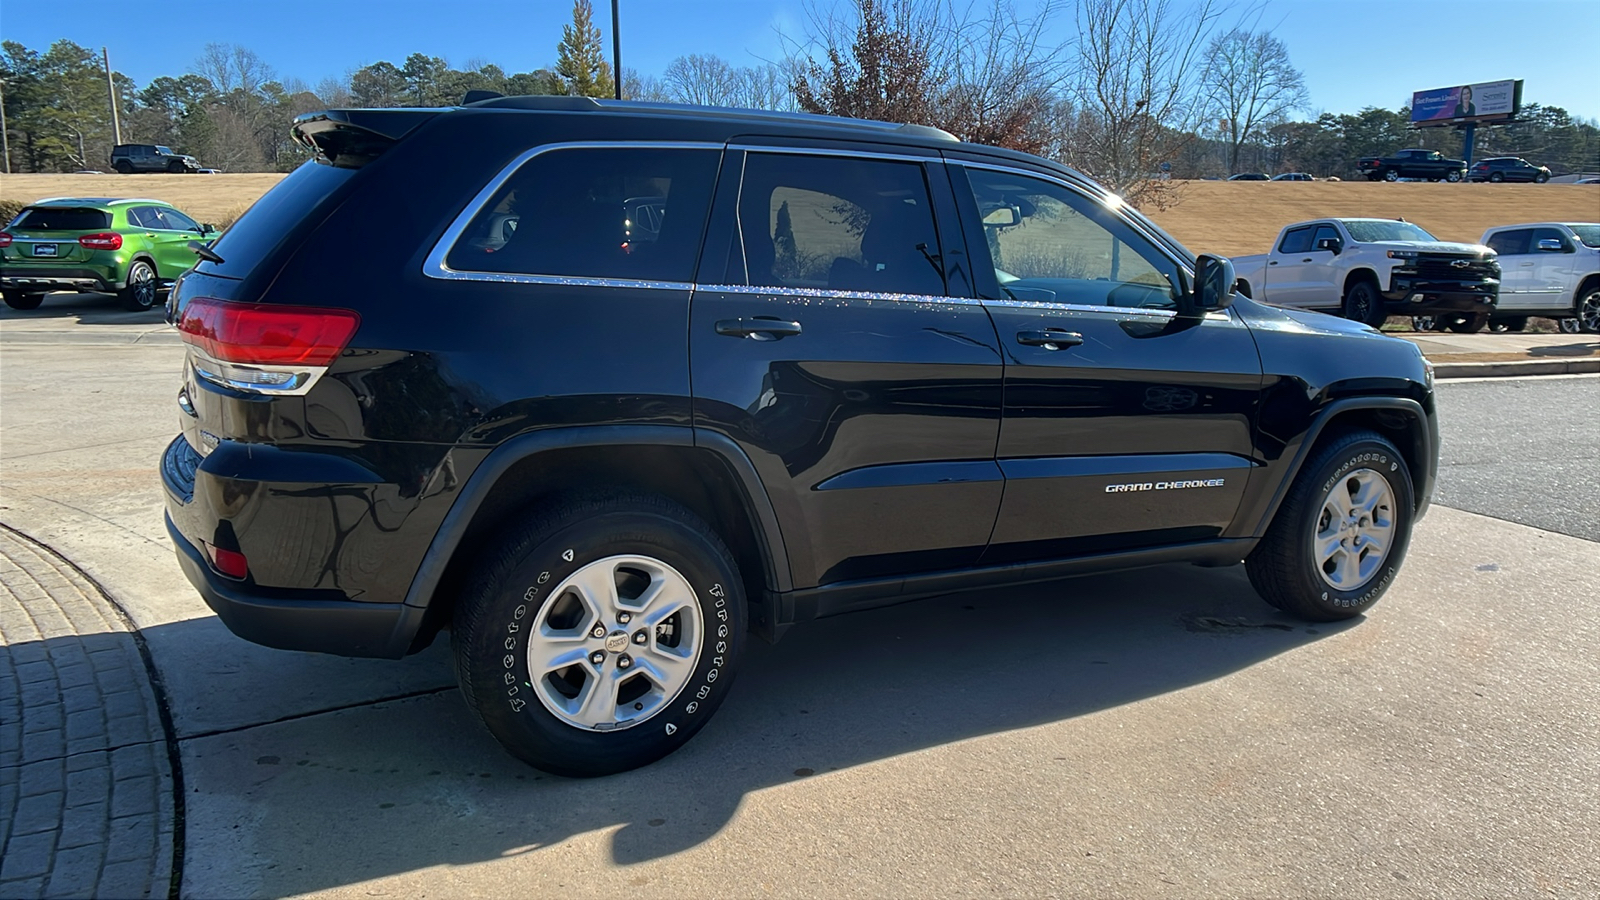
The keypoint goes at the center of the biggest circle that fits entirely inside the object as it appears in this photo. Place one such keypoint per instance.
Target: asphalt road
(1525, 450)
(1160, 733)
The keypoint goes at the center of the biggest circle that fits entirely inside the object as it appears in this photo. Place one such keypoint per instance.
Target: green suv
(135, 248)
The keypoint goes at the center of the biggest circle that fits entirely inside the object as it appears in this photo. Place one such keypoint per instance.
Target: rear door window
(634, 213)
(1510, 243)
(53, 218)
(836, 223)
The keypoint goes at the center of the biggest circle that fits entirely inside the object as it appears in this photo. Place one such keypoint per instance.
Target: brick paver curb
(86, 786)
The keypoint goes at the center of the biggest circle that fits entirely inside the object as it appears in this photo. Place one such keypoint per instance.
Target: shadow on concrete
(384, 789)
(87, 309)
(1585, 348)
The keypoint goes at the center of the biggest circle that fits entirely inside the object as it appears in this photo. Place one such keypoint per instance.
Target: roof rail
(590, 104)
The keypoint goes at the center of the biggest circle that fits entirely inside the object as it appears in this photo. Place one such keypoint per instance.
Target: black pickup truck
(1427, 164)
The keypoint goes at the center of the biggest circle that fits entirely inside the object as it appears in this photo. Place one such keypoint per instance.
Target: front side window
(1052, 244)
(612, 212)
(1324, 233)
(836, 223)
(1510, 243)
(1549, 234)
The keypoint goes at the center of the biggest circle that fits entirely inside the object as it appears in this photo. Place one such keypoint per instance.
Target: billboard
(1486, 101)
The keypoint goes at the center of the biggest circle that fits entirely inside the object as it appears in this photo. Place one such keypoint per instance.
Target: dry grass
(1231, 218)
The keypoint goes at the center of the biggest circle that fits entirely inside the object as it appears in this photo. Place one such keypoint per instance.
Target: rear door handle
(758, 328)
(1050, 338)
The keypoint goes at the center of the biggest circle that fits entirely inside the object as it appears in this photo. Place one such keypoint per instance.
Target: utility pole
(5, 135)
(616, 49)
(111, 90)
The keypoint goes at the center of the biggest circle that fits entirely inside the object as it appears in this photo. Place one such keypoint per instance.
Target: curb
(1514, 368)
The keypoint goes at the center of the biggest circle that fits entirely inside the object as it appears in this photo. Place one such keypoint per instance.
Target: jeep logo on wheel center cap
(617, 641)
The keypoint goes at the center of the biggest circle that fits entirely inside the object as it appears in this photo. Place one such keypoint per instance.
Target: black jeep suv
(131, 158)
(602, 388)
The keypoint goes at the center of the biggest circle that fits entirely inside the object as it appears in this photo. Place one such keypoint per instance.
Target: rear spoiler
(351, 138)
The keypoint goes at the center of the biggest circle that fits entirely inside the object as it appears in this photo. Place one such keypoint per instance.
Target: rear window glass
(634, 213)
(44, 218)
(274, 218)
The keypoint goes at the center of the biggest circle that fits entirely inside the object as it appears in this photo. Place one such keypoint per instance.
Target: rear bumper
(41, 279)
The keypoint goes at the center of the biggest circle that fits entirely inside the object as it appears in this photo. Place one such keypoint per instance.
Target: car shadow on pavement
(1585, 348)
(387, 789)
(88, 309)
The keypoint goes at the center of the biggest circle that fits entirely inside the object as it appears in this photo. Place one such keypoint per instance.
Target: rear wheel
(1391, 175)
(1362, 304)
(1424, 323)
(1497, 177)
(601, 634)
(123, 166)
(1588, 310)
(1515, 323)
(140, 293)
(1471, 323)
(18, 300)
(1337, 541)
(1568, 326)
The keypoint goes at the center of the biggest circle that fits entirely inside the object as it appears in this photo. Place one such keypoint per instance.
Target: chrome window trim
(434, 265)
(18, 240)
(826, 294)
(836, 151)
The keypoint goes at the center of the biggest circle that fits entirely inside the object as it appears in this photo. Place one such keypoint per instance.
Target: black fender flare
(500, 460)
(1425, 441)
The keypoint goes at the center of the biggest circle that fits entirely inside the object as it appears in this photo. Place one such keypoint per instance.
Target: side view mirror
(1214, 283)
(1333, 244)
(1550, 245)
(208, 228)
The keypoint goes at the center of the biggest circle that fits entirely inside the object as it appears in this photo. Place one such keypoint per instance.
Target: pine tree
(581, 58)
(787, 260)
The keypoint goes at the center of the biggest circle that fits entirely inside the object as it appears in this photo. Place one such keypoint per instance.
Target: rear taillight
(105, 240)
(229, 562)
(5, 239)
(262, 347)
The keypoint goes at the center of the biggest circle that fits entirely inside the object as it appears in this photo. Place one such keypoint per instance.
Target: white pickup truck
(1370, 269)
(1548, 269)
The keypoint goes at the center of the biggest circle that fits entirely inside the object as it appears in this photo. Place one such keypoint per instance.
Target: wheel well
(1408, 433)
(1244, 288)
(1589, 283)
(695, 478)
(1360, 275)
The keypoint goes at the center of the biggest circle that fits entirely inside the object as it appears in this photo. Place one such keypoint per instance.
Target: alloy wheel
(142, 284)
(1355, 529)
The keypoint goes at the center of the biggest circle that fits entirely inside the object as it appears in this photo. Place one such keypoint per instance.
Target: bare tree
(1251, 85)
(702, 79)
(232, 67)
(1138, 92)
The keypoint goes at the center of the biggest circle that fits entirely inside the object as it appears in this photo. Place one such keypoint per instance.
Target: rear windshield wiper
(205, 252)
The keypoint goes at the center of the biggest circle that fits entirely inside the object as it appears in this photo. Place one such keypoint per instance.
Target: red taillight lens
(105, 240)
(5, 239)
(265, 334)
(229, 562)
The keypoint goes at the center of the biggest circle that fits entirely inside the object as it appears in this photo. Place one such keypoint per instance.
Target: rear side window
(836, 223)
(632, 213)
(274, 218)
(1509, 243)
(47, 218)
(1296, 240)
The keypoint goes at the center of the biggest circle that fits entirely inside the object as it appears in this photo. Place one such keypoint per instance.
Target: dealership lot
(1158, 733)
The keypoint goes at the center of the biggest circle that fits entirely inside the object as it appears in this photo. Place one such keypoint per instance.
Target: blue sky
(1354, 53)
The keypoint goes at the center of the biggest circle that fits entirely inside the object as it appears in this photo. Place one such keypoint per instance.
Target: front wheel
(601, 634)
(1337, 541)
(1469, 323)
(1452, 176)
(1515, 323)
(1588, 310)
(1424, 323)
(1362, 304)
(1541, 178)
(140, 292)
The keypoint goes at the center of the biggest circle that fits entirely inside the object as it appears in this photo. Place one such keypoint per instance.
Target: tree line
(1145, 92)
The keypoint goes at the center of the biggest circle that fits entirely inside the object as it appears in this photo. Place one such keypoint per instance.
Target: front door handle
(758, 328)
(1050, 338)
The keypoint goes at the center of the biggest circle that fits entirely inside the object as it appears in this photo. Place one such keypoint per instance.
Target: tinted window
(1051, 244)
(177, 221)
(634, 213)
(1295, 240)
(1548, 234)
(49, 218)
(1509, 243)
(274, 217)
(1324, 232)
(835, 223)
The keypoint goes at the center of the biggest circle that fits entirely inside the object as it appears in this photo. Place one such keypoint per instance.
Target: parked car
(1550, 269)
(804, 391)
(1293, 176)
(1416, 163)
(1370, 269)
(133, 247)
(1249, 176)
(131, 158)
(1507, 168)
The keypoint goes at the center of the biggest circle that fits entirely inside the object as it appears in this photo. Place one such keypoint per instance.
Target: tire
(17, 300)
(1515, 323)
(1588, 313)
(140, 292)
(1452, 176)
(1391, 175)
(1497, 177)
(1471, 323)
(1316, 566)
(124, 167)
(1362, 304)
(1568, 326)
(528, 587)
(175, 167)
(1541, 178)
(1424, 323)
